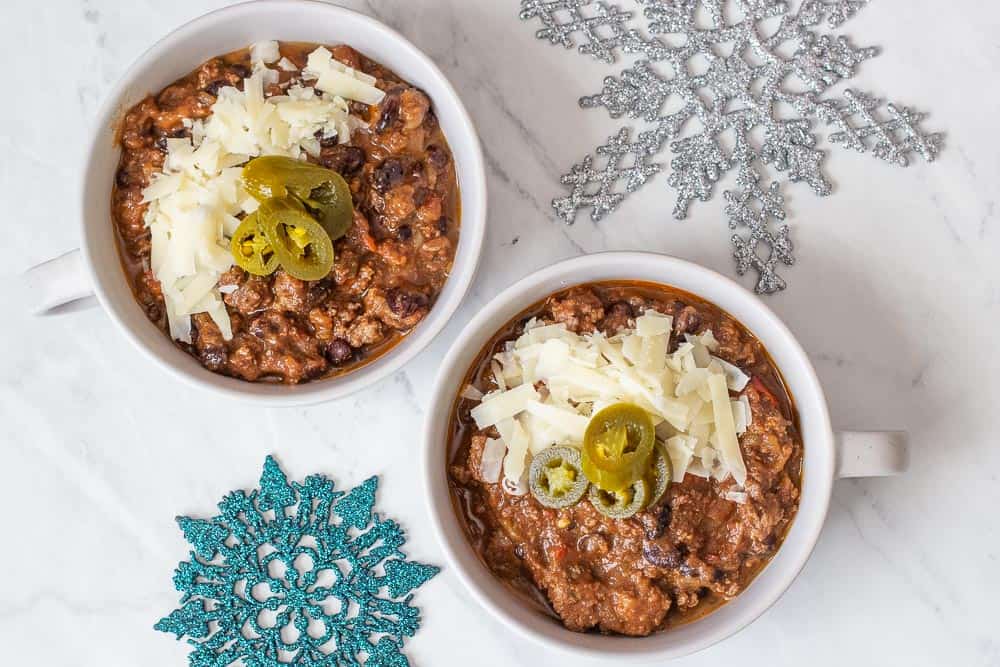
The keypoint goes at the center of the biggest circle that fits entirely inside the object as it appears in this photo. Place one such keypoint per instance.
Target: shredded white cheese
(686, 392)
(196, 202)
(335, 78)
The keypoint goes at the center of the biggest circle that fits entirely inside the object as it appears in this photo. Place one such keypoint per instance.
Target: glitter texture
(894, 139)
(732, 85)
(733, 91)
(565, 18)
(751, 208)
(595, 188)
(296, 574)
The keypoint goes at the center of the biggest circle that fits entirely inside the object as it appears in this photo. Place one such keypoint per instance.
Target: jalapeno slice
(620, 504)
(300, 244)
(660, 474)
(323, 192)
(556, 479)
(617, 446)
(251, 248)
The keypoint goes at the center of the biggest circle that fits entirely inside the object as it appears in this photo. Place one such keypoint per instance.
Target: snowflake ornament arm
(752, 208)
(894, 139)
(288, 575)
(597, 189)
(565, 18)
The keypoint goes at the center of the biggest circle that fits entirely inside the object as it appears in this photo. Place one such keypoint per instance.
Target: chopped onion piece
(468, 391)
(492, 460)
(517, 453)
(498, 376)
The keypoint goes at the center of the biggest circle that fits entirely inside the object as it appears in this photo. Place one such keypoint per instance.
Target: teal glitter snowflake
(296, 574)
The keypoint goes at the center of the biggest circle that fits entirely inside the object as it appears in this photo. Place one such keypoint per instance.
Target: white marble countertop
(896, 296)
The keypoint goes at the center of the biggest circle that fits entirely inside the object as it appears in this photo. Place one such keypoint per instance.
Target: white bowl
(179, 53)
(864, 454)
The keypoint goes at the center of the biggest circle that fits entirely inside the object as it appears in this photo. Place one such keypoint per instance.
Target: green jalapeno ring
(617, 446)
(660, 475)
(251, 249)
(324, 192)
(332, 206)
(555, 477)
(300, 244)
(620, 504)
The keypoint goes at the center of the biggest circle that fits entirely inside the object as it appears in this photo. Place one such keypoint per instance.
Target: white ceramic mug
(96, 269)
(828, 455)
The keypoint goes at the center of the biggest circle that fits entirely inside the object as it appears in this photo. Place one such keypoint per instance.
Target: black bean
(665, 557)
(662, 522)
(388, 175)
(437, 157)
(688, 571)
(442, 225)
(123, 178)
(339, 352)
(389, 112)
(687, 321)
(327, 142)
(319, 290)
(404, 233)
(172, 133)
(343, 159)
(213, 87)
(620, 308)
(404, 304)
(241, 71)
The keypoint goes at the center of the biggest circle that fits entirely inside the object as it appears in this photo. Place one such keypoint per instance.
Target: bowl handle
(871, 453)
(56, 283)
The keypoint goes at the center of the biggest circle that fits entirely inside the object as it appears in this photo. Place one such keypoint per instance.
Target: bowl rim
(473, 196)
(572, 272)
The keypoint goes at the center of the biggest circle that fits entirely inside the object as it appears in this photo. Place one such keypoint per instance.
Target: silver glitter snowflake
(734, 90)
(753, 208)
(730, 85)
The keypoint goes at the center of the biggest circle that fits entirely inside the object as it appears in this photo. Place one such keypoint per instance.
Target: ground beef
(672, 562)
(389, 267)
(579, 309)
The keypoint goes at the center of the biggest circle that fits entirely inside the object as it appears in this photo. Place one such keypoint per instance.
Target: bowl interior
(802, 382)
(234, 28)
